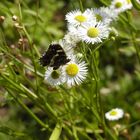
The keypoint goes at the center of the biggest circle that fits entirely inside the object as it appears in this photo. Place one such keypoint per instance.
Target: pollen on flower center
(80, 18)
(128, 1)
(93, 32)
(72, 69)
(118, 4)
(113, 113)
(55, 74)
(98, 17)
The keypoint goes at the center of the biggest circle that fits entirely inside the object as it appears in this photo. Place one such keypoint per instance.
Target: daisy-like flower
(76, 18)
(114, 114)
(75, 71)
(103, 14)
(71, 39)
(120, 5)
(138, 1)
(93, 33)
(54, 77)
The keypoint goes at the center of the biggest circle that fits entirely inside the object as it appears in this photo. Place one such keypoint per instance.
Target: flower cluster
(90, 26)
(74, 72)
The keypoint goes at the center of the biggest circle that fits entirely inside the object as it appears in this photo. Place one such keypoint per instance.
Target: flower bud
(2, 18)
(113, 34)
(17, 25)
(14, 18)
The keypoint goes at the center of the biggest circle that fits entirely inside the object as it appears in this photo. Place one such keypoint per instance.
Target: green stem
(19, 87)
(81, 5)
(28, 110)
(124, 19)
(100, 45)
(98, 97)
(33, 97)
(135, 45)
(97, 84)
(17, 60)
(75, 133)
(20, 12)
(130, 125)
(133, 30)
(56, 132)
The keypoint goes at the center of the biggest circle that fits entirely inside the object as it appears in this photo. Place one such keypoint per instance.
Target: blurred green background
(45, 22)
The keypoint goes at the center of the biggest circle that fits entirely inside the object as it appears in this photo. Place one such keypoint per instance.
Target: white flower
(120, 5)
(103, 14)
(71, 39)
(72, 30)
(54, 77)
(138, 1)
(76, 18)
(75, 71)
(114, 114)
(106, 14)
(93, 33)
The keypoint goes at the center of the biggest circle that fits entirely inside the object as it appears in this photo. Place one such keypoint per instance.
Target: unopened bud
(79, 55)
(2, 18)
(20, 41)
(117, 126)
(127, 116)
(113, 33)
(17, 25)
(124, 132)
(14, 18)
(12, 46)
(113, 38)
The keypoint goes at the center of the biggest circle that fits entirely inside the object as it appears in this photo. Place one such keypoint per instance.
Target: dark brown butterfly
(54, 57)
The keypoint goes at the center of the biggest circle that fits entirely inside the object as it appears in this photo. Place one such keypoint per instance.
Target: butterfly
(54, 57)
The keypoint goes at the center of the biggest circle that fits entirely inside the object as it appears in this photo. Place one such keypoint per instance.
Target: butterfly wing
(54, 57)
(45, 60)
(59, 59)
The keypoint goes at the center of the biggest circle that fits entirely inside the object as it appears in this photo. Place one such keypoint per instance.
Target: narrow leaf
(8, 131)
(136, 4)
(56, 132)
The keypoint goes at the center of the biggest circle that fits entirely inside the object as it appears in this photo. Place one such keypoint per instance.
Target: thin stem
(133, 30)
(33, 97)
(135, 45)
(75, 133)
(123, 18)
(25, 65)
(98, 47)
(81, 5)
(28, 110)
(98, 97)
(131, 125)
(56, 132)
(31, 50)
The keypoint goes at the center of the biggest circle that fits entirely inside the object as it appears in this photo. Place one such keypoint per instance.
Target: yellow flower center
(128, 1)
(55, 74)
(113, 113)
(72, 70)
(118, 4)
(80, 18)
(98, 17)
(93, 32)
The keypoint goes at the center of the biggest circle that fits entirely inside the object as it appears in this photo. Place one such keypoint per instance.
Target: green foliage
(33, 110)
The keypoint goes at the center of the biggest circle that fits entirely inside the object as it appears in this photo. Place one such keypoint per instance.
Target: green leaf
(136, 4)
(56, 132)
(33, 13)
(106, 3)
(8, 131)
